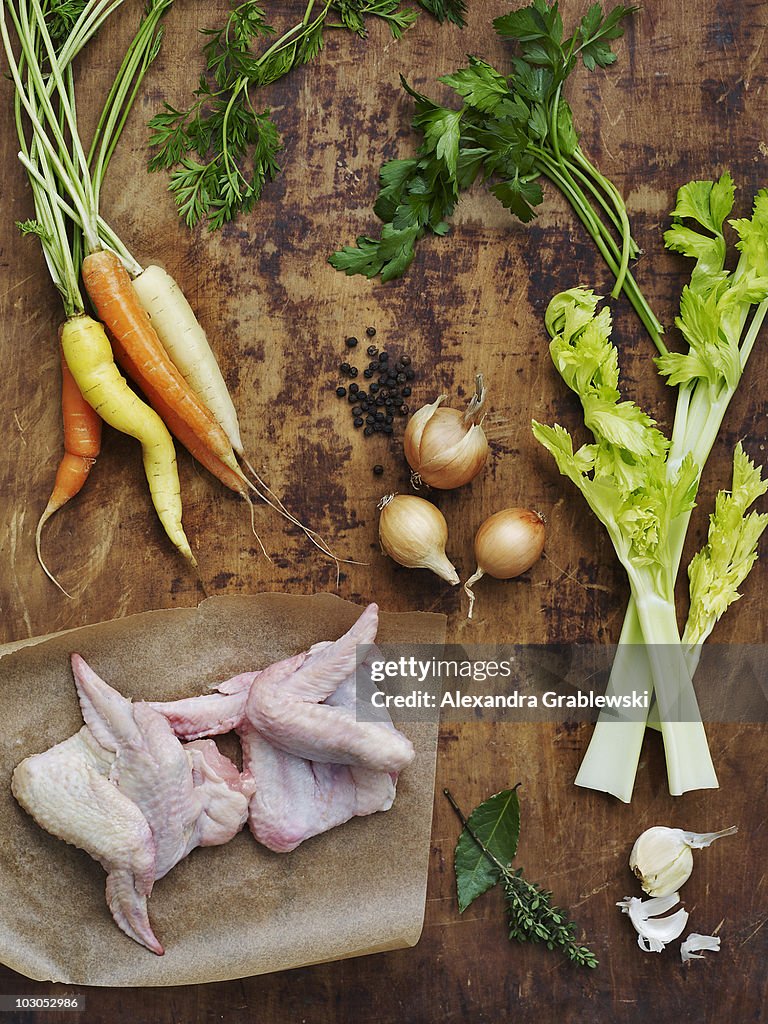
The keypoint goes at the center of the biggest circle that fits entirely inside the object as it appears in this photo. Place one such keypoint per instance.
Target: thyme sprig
(531, 915)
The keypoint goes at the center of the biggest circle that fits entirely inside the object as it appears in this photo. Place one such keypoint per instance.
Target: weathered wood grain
(686, 99)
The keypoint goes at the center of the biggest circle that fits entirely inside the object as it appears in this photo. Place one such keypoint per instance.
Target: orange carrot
(110, 290)
(82, 444)
(179, 427)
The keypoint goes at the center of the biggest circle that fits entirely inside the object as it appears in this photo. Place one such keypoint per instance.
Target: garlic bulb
(654, 931)
(446, 448)
(506, 545)
(413, 532)
(662, 859)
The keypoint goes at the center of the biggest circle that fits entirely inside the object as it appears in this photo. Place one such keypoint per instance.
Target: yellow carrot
(186, 343)
(89, 358)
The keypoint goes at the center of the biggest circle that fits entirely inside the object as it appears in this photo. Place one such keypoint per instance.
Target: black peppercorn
(389, 403)
(404, 410)
(354, 388)
(368, 431)
(378, 470)
(401, 378)
(378, 427)
(388, 428)
(409, 374)
(368, 374)
(341, 392)
(383, 356)
(371, 332)
(357, 410)
(380, 417)
(370, 418)
(397, 401)
(372, 350)
(406, 392)
(374, 388)
(405, 360)
(389, 418)
(351, 342)
(353, 371)
(344, 368)
(358, 421)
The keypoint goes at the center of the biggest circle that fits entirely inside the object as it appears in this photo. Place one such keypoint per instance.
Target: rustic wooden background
(686, 99)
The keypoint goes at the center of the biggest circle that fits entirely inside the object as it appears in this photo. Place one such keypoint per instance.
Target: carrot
(82, 444)
(186, 343)
(179, 428)
(89, 357)
(109, 288)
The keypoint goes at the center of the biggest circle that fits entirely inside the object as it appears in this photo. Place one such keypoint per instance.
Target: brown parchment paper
(223, 912)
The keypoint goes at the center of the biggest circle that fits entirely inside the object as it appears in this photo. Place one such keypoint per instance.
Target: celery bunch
(642, 486)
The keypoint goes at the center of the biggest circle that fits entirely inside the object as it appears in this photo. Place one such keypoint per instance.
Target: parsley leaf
(511, 130)
(480, 85)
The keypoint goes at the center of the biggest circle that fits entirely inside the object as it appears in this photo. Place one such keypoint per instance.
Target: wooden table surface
(685, 100)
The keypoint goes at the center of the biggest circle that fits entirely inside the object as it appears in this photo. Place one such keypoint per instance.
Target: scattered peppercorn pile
(374, 409)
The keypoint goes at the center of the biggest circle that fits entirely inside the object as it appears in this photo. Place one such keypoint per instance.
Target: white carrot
(186, 343)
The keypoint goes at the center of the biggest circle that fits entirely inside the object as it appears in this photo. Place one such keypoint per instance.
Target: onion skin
(509, 542)
(506, 545)
(413, 532)
(443, 447)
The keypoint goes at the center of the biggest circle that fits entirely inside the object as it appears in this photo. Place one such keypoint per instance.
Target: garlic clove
(690, 947)
(662, 859)
(654, 932)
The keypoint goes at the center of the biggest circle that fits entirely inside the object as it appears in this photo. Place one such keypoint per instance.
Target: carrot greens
(222, 150)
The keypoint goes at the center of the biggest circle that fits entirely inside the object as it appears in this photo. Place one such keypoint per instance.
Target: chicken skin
(125, 790)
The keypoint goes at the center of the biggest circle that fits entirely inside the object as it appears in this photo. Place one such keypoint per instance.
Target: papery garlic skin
(662, 859)
(654, 932)
(690, 946)
(414, 532)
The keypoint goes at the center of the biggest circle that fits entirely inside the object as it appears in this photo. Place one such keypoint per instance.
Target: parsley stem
(614, 196)
(600, 198)
(605, 243)
(554, 131)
